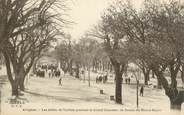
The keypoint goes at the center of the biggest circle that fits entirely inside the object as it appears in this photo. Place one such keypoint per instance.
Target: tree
(167, 27)
(162, 47)
(15, 15)
(22, 51)
(1, 59)
(32, 30)
(64, 53)
(182, 74)
(110, 32)
(155, 32)
(77, 57)
(89, 47)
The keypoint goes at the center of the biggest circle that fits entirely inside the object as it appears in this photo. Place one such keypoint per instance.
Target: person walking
(141, 91)
(60, 80)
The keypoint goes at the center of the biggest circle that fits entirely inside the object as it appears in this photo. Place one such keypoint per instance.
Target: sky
(86, 14)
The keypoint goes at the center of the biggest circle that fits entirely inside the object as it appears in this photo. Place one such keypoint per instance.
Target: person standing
(49, 74)
(60, 80)
(141, 91)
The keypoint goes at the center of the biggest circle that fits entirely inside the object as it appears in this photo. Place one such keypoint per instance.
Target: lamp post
(137, 93)
(137, 73)
(88, 59)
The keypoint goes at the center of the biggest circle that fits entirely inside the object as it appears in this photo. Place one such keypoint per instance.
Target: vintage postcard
(91, 57)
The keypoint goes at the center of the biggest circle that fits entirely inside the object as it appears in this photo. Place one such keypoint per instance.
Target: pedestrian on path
(60, 80)
(141, 91)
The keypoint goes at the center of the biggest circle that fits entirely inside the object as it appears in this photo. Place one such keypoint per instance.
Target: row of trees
(86, 54)
(151, 37)
(27, 29)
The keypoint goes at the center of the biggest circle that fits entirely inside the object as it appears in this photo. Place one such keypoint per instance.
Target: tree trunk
(161, 80)
(77, 71)
(176, 97)
(21, 75)
(70, 67)
(15, 91)
(99, 66)
(34, 68)
(108, 66)
(118, 90)
(96, 66)
(89, 80)
(84, 76)
(14, 85)
(21, 83)
(146, 77)
(177, 100)
(111, 68)
(153, 75)
(175, 106)
(159, 84)
(182, 75)
(146, 72)
(173, 73)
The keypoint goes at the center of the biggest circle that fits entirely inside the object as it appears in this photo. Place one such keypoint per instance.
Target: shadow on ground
(65, 99)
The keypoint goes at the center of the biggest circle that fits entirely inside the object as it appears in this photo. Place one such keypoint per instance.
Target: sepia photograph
(91, 57)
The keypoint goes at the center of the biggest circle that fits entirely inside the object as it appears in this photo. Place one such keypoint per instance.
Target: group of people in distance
(102, 78)
(51, 70)
(40, 73)
(54, 73)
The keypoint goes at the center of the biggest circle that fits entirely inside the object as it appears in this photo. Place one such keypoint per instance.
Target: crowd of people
(40, 73)
(50, 70)
(102, 78)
